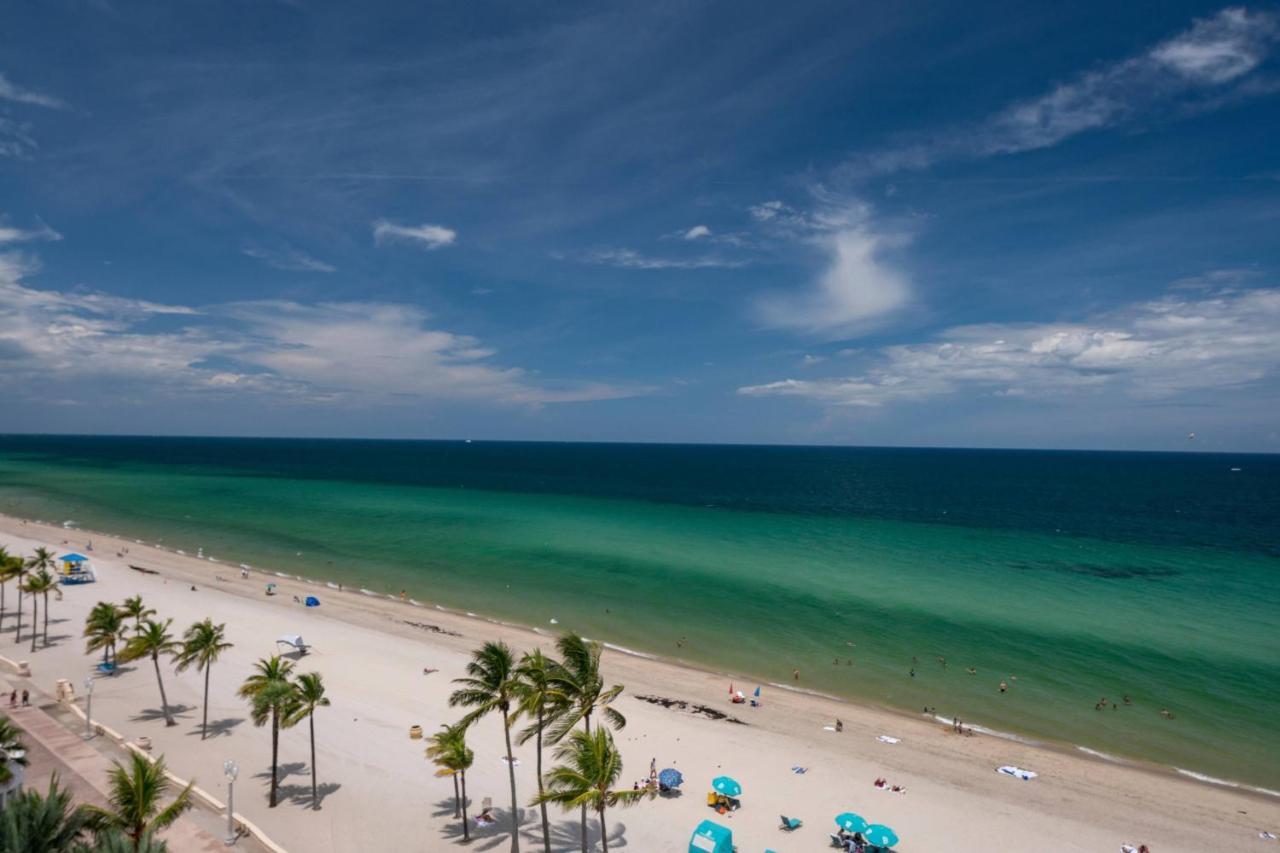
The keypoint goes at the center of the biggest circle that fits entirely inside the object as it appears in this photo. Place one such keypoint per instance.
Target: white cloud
(631, 259)
(431, 236)
(1158, 349)
(288, 259)
(323, 353)
(10, 234)
(858, 288)
(1192, 71)
(18, 95)
(697, 232)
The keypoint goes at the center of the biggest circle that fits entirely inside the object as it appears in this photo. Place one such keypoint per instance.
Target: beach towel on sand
(887, 739)
(1017, 772)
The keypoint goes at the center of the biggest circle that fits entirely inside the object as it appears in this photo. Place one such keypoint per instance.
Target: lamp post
(88, 708)
(229, 767)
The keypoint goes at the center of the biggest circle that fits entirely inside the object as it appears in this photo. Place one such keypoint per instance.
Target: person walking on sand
(26, 698)
(13, 698)
(839, 724)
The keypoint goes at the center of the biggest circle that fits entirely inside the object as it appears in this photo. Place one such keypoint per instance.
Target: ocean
(1070, 576)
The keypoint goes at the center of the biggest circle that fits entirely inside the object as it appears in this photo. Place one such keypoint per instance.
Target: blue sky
(1048, 225)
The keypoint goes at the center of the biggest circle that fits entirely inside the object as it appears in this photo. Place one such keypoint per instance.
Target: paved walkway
(83, 769)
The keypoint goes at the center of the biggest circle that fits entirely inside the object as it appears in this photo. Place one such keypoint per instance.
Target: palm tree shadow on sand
(151, 715)
(567, 834)
(218, 728)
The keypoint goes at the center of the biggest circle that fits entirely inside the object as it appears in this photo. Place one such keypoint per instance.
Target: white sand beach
(381, 794)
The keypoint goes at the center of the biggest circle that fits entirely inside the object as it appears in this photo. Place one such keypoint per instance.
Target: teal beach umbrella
(725, 785)
(880, 835)
(851, 822)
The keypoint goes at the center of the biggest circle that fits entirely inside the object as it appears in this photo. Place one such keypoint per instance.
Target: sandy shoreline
(372, 659)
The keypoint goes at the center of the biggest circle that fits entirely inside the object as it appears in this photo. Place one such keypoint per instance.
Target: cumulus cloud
(1153, 350)
(428, 236)
(12, 234)
(289, 259)
(697, 232)
(1201, 68)
(18, 95)
(319, 353)
(858, 286)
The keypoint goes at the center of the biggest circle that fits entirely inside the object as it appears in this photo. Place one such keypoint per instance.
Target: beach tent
(294, 640)
(74, 558)
(312, 601)
(711, 838)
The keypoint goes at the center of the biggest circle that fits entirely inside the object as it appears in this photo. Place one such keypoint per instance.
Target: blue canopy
(670, 777)
(711, 838)
(880, 835)
(74, 558)
(725, 785)
(312, 601)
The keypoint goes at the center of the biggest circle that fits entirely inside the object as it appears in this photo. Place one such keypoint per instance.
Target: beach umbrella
(670, 777)
(880, 835)
(851, 822)
(725, 785)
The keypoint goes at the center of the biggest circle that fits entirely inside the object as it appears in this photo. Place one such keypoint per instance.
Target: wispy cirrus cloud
(1160, 349)
(317, 353)
(13, 234)
(1201, 68)
(289, 259)
(17, 94)
(631, 259)
(430, 237)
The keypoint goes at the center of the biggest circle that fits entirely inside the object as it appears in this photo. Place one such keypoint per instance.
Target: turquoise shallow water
(1084, 575)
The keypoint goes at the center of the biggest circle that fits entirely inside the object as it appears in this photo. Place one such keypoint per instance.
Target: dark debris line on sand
(691, 707)
(435, 629)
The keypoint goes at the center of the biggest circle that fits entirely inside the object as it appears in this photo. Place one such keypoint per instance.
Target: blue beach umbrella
(851, 822)
(725, 785)
(880, 835)
(670, 778)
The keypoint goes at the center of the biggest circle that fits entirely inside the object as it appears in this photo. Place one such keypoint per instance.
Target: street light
(88, 708)
(229, 767)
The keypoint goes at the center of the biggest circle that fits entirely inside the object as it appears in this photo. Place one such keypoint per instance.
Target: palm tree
(203, 643)
(41, 560)
(20, 574)
(134, 609)
(579, 679)
(590, 767)
(42, 823)
(114, 841)
(542, 701)
(448, 750)
(38, 584)
(8, 571)
(271, 697)
(153, 640)
(12, 750)
(133, 805)
(309, 689)
(104, 627)
(491, 685)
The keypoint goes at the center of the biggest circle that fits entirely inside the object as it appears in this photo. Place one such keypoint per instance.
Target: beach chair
(713, 799)
(836, 841)
(790, 824)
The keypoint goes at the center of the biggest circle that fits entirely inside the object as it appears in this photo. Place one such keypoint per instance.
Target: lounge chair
(790, 823)
(836, 841)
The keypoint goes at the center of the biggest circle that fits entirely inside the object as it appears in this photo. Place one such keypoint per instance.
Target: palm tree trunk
(275, 748)
(457, 803)
(604, 836)
(46, 618)
(511, 770)
(204, 720)
(315, 802)
(17, 632)
(546, 832)
(164, 702)
(35, 618)
(586, 722)
(3, 585)
(466, 832)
